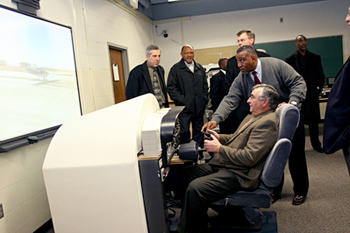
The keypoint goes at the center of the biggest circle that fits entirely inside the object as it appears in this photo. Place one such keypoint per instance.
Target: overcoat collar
(182, 65)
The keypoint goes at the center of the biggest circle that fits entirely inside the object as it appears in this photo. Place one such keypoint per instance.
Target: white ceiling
(162, 9)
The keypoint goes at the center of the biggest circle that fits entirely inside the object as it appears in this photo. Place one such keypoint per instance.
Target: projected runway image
(38, 83)
(30, 101)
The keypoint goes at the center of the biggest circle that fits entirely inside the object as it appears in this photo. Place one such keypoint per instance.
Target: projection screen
(38, 81)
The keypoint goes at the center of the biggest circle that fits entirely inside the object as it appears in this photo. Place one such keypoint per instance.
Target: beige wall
(219, 30)
(22, 189)
(212, 55)
(95, 24)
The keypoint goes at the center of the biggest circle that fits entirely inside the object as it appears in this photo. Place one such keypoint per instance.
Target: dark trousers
(314, 135)
(205, 186)
(197, 123)
(346, 151)
(297, 163)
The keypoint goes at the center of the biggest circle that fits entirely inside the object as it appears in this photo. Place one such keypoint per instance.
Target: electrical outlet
(1, 211)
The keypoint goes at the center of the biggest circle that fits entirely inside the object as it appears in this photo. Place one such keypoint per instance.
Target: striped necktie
(156, 88)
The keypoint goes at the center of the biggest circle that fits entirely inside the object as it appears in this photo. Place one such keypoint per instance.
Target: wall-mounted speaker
(28, 6)
(133, 3)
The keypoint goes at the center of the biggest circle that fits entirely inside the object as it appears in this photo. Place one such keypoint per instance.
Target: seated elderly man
(238, 161)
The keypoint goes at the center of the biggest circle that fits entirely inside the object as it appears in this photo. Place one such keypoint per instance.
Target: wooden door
(116, 62)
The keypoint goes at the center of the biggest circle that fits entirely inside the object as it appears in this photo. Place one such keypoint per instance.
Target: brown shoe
(274, 198)
(298, 200)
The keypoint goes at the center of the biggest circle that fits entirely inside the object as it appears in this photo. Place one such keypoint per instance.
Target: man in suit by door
(148, 78)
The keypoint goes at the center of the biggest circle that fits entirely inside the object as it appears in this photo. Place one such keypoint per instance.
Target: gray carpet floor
(327, 207)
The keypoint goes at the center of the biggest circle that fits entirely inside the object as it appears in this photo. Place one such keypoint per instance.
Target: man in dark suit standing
(217, 85)
(217, 92)
(148, 78)
(309, 65)
(244, 37)
(187, 86)
(337, 120)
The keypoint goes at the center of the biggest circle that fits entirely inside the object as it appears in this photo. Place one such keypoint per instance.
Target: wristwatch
(294, 103)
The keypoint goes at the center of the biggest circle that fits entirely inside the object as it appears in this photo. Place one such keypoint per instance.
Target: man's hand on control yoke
(208, 125)
(212, 145)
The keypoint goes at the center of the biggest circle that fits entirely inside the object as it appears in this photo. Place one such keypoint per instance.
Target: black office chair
(248, 202)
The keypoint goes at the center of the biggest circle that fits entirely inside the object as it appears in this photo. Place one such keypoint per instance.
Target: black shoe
(298, 200)
(319, 149)
(274, 198)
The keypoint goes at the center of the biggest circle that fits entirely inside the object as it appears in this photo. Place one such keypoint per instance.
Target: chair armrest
(276, 162)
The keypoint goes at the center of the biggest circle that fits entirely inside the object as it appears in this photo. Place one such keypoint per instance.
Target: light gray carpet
(327, 207)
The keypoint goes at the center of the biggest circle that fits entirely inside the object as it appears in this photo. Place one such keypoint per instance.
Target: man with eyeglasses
(244, 37)
(237, 163)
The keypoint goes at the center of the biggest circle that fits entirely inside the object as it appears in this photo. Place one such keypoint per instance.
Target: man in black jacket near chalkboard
(309, 65)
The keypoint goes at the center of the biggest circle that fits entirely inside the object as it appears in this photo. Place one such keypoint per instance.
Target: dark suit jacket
(314, 78)
(336, 132)
(187, 88)
(217, 89)
(245, 151)
(139, 82)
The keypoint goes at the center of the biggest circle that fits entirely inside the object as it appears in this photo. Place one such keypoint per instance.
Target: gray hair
(270, 93)
(182, 49)
(150, 48)
(249, 32)
(249, 49)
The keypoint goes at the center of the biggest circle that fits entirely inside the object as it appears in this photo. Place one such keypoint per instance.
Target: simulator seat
(233, 208)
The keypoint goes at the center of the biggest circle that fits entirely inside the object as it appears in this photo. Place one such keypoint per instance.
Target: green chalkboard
(329, 48)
